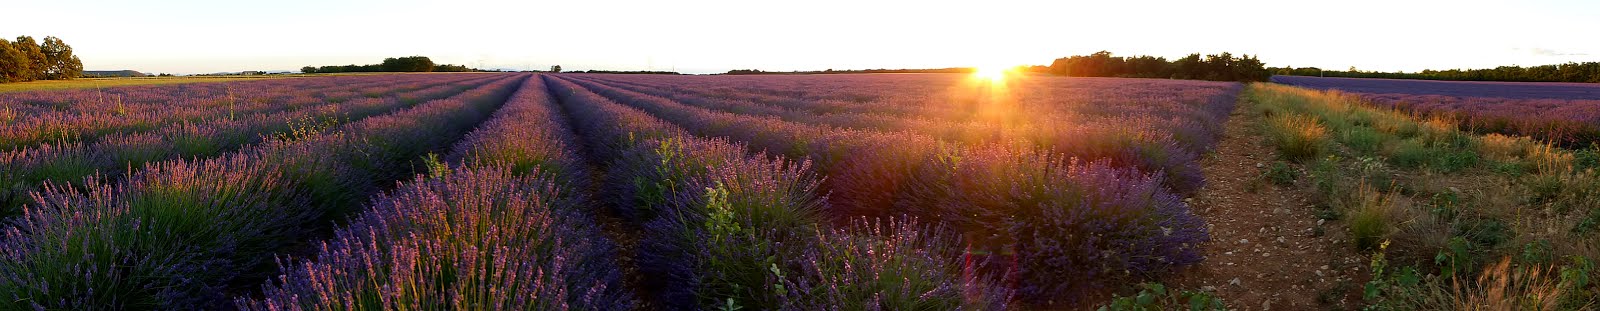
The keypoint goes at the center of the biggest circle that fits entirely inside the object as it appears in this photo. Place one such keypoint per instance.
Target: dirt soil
(1268, 249)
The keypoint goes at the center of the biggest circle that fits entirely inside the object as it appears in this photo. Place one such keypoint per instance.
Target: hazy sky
(715, 36)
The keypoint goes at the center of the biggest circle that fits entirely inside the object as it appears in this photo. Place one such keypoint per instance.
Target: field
(89, 83)
(1564, 113)
(794, 192)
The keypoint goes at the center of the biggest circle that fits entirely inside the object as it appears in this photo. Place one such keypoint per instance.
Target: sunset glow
(990, 73)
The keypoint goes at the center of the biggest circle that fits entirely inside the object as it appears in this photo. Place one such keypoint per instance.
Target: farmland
(1564, 113)
(794, 192)
(604, 192)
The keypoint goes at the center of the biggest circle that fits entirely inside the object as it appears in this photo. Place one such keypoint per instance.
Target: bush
(474, 238)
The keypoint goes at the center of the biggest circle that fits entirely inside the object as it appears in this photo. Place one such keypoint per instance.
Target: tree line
(392, 64)
(1215, 67)
(28, 60)
(1588, 72)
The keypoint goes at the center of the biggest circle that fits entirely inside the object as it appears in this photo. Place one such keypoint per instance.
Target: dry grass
(1503, 286)
(1298, 137)
(1501, 147)
(1548, 158)
(1439, 128)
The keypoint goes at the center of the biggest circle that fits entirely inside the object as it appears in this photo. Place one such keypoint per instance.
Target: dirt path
(1267, 251)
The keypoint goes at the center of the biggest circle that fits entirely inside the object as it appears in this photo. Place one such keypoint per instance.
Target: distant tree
(451, 68)
(408, 64)
(1219, 67)
(14, 65)
(60, 64)
(392, 64)
(36, 61)
(556, 68)
(1569, 72)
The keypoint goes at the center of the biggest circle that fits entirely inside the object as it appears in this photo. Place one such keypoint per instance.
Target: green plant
(1363, 139)
(435, 167)
(1455, 161)
(1154, 296)
(1325, 175)
(1281, 174)
(1410, 153)
(1587, 158)
(1511, 168)
(1370, 218)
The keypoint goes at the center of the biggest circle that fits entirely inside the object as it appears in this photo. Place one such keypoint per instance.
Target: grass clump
(1298, 137)
(1409, 154)
(1371, 218)
(1363, 139)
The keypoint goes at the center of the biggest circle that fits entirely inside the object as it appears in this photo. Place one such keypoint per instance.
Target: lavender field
(1564, 113)
(602, 192)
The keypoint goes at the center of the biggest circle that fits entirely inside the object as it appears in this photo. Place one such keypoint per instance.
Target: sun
(991, 72)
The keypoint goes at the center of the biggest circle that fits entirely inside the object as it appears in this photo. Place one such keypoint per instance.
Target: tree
(308, 69)
(59, 62)
(30, 49)
(556, 68)
(14, 65)
(408, 64)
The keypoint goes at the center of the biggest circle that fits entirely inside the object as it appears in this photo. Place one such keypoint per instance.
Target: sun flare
(991, 73)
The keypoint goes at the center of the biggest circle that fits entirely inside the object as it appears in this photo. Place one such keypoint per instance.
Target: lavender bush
(478, 238)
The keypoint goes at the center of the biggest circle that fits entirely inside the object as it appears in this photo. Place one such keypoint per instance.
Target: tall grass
(1298, 137)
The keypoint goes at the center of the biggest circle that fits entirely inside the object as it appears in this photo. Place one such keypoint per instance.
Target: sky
(712, 36)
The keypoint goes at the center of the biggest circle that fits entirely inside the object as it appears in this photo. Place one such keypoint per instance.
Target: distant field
(111, 82)
(1567, 113)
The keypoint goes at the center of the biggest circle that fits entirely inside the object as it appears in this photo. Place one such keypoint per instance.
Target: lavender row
(71, 163)
(1173, 107)
(87, 120)
(501, 230)
(86, 115)
(180, 234)
(723, 228)
(886, 175)
(1563, 113)
(1162, 138)
(959, 97)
